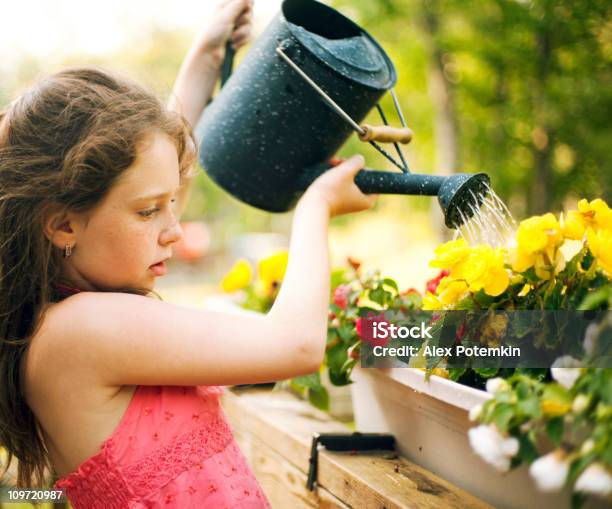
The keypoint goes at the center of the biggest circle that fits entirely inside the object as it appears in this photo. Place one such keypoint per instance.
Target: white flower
(493, 447)
(590, 338)
(580, 403)
(550, 471)
(566, 371)
(587, 446)
(496, 384)
(475, 412)
(595, 480)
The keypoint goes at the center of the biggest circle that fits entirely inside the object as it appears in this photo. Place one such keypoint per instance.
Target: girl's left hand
(231, 20)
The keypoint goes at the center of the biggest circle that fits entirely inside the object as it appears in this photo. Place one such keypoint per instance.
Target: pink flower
(341, 294)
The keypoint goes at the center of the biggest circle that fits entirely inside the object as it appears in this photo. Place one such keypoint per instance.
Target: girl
(114, 393)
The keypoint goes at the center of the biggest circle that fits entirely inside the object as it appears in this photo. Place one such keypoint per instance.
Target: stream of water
(490, 223)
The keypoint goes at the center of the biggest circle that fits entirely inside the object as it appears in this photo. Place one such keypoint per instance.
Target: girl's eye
(147, 213)
(150, 212)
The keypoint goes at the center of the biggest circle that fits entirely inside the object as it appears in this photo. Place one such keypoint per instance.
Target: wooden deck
(275, 429)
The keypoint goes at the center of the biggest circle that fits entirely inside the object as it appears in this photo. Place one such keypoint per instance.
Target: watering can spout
(459, 195)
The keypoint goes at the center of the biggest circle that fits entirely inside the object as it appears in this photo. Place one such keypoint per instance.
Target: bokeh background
(520, 89)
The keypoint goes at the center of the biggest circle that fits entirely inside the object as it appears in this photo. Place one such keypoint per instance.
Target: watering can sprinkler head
(461, 195)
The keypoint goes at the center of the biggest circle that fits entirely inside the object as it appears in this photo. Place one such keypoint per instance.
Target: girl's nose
(172, 234)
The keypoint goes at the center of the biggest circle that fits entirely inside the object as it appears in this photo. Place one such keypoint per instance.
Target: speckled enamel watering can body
(266, 134)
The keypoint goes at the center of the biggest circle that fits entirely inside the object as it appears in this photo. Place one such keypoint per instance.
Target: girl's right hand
(338, 189)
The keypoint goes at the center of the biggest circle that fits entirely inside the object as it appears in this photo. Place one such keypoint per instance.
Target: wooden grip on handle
(385, 134)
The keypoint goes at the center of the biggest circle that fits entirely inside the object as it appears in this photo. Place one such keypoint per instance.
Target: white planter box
(430, 422)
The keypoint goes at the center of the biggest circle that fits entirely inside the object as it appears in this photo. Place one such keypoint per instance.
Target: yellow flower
(525, 290)
(484, 268)
(238, 277)
(450, 290)
(494, 330)
(573, 225)
(441, 372)
(600, 245)
(596, 215)
(272, 269)
(431, 302)
(450, 254)
(544, 270)
(554, 408)
(538, 239)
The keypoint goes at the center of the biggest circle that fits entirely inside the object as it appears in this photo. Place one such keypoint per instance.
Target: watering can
(298, 94)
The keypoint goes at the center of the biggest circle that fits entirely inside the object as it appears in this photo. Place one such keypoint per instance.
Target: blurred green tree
(519, 89)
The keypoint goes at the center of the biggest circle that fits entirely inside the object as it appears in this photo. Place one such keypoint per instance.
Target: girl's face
(133, 228)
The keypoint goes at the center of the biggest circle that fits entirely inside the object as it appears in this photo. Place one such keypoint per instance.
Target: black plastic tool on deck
(355, 441)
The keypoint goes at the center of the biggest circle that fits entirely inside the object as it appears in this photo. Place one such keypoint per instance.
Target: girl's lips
(159, 269)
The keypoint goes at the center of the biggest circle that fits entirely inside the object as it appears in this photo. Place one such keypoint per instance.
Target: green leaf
(527, 449)
(486, 372)
(502, 415)
(554, 430)
(456, 373)
(390, 282)
(335, 357)
(578, 500)
(347, 331)
(378, 295)
(338, 277)
(312, 380)
(597, 299)
(319, 397)
(529, 407)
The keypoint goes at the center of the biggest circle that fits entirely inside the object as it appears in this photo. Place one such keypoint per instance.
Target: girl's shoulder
(52, 350)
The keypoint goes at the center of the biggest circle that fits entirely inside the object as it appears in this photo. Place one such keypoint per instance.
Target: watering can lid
(358, 58)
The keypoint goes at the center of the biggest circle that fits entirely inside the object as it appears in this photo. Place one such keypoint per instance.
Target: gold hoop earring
(67, 250)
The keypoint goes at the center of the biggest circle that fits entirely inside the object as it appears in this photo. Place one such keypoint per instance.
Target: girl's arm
(115, 339)
(199, 71)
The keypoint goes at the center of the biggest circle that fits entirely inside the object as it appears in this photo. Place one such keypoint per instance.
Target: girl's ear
(57, 227)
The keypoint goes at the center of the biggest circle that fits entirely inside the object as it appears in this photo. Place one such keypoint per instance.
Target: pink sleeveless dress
(173, 448)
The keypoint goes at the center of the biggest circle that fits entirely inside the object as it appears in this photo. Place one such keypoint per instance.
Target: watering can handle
(228, 62)
(385, 134)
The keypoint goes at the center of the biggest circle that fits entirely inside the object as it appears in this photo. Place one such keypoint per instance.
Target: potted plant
(556, 422)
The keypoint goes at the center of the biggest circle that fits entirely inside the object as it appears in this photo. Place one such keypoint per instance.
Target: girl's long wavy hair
(63, 145)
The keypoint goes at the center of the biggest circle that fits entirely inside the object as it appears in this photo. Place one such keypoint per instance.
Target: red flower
(411, 291)
(354, 263)
(460, 332)
(365, 329)
(432, 284)
(341, 294)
